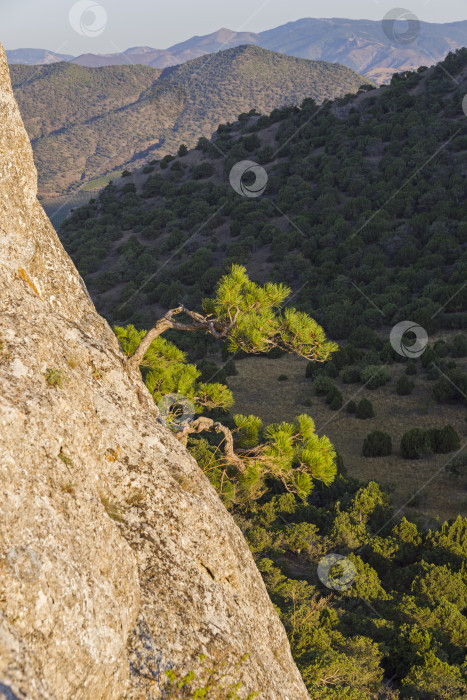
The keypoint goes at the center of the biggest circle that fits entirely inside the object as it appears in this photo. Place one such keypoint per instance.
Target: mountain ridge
(85, 123)
(358, 44)
(34, 57)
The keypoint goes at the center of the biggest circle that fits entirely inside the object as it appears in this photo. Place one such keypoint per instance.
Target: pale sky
(116, 25)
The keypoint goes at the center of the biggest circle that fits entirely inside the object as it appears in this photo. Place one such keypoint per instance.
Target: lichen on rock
(117, 558)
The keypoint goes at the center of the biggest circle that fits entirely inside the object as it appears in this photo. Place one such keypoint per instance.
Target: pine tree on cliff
(249, 318)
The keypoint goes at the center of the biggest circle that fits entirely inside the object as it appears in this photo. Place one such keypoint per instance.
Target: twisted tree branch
(217, 328)
(202, 424)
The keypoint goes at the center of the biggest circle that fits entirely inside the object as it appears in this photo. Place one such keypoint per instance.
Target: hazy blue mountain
(359, 44)
(35, 57)
(362, 44)
(218, 41)
(138, 55)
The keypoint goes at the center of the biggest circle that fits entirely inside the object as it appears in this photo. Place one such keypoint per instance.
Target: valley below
(258, 391)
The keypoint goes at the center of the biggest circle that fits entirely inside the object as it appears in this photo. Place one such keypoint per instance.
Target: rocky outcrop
(117, 559)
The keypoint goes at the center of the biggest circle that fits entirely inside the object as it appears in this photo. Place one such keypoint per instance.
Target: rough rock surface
(117, 559)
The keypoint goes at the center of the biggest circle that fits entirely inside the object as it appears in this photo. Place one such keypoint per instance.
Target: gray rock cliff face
(117, 559)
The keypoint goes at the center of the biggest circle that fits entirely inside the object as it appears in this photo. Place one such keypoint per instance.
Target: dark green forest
(364, 218)
(331, 172)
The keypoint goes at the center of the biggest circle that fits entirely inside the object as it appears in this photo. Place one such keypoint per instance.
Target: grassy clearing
(100, 182)
(257, 391)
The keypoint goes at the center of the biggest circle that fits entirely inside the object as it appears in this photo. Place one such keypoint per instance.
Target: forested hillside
(85, 122)
(365, 199)
(362, 213)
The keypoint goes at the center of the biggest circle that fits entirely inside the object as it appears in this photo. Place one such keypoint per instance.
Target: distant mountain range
(36, 57)
(358, 44)
(84, 123)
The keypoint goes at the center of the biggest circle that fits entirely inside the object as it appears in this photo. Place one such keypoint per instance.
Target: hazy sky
(114, 25)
